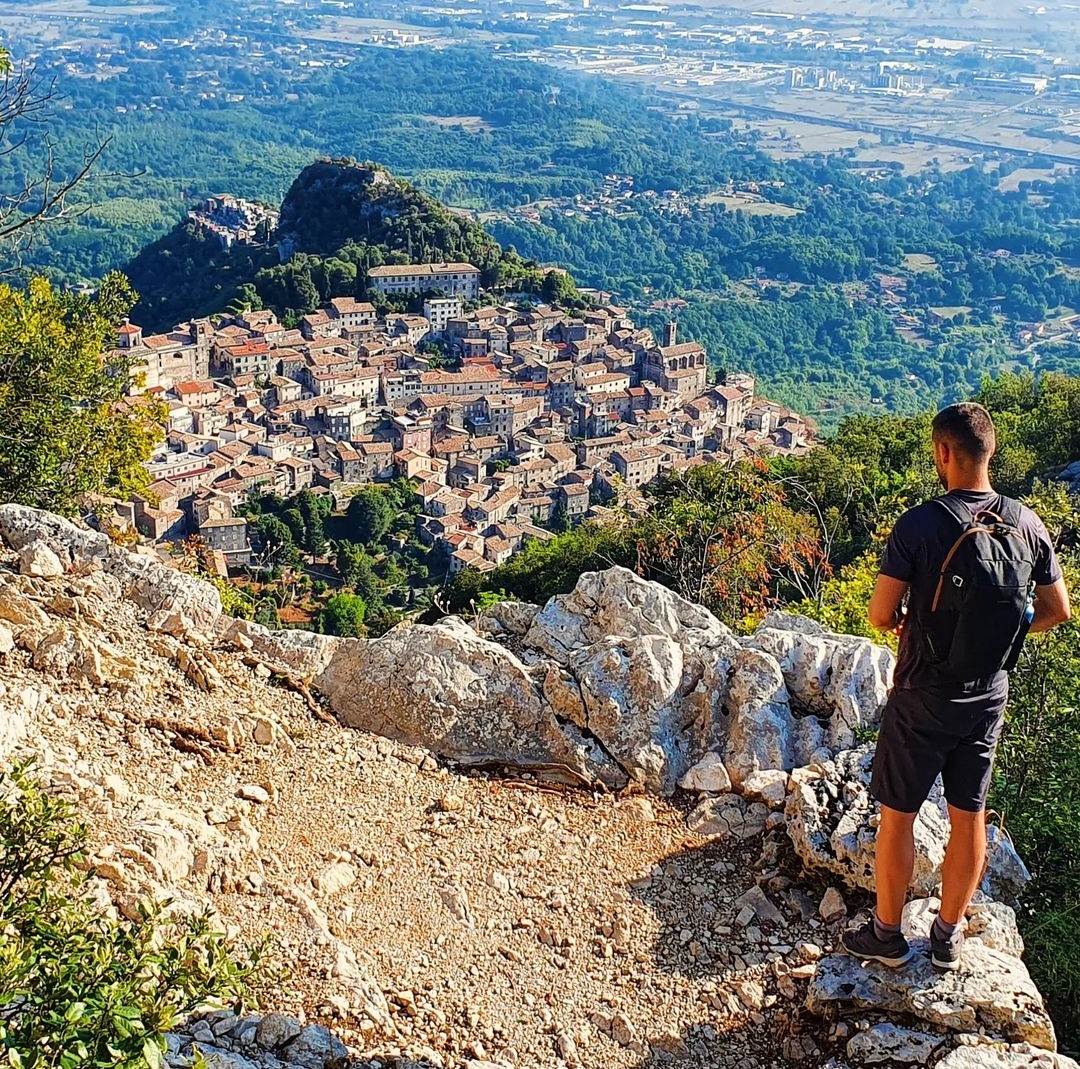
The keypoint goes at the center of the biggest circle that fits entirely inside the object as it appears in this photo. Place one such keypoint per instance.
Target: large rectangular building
(456, 280)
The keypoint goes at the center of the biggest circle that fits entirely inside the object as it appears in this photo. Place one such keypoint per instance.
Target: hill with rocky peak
(337, 219)
(668, 831)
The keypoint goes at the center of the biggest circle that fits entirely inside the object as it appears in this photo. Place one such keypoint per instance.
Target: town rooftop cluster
(548, 414)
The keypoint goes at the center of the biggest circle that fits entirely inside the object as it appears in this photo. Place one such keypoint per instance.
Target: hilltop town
(508, 420)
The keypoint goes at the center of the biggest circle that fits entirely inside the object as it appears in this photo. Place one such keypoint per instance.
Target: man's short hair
(968, 428)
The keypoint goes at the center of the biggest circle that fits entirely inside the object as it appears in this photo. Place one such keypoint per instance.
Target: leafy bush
(1037, 787)
(78, 988)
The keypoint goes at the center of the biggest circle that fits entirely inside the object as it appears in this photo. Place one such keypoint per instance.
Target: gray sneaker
(863, 943)
(945, 953)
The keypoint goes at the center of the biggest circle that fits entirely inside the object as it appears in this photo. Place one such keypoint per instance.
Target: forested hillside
(471, 129)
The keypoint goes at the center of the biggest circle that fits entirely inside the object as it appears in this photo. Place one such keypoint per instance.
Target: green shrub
(78, 988)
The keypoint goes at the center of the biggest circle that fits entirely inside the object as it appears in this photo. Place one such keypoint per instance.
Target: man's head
(964, 442)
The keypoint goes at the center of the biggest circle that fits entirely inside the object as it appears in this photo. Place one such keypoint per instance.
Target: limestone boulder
(631, 692)
(986, 1055)
(303, 653)
(708, 775)
(618, 602)
(832, 823)
(728, 816)
(144, 580)
(507, 621)
(841, 681)
(991, 923)
(990, 990)
(446, 688)
(889, 1044)
(756, 724)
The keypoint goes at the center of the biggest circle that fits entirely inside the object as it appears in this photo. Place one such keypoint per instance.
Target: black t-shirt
(914, 554)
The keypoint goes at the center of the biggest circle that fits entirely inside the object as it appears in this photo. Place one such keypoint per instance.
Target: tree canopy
(67, 427)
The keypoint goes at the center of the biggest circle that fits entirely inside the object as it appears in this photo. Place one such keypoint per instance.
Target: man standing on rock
(977, 572)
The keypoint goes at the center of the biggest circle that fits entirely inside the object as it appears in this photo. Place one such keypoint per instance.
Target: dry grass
(919, 261)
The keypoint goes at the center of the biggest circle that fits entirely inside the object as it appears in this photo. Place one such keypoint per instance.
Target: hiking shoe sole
(945, 964)
(883, 959)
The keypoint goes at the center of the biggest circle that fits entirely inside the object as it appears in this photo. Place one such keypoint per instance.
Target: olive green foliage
(343, 614)
(372, 544)
(543, 569)
(66, 428)
(723, 535)
(78, 989)
(1038, 425)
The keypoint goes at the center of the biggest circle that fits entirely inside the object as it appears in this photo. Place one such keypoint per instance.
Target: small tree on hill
(343, 615)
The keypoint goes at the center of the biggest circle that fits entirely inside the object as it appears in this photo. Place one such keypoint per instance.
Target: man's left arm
(1051, 607)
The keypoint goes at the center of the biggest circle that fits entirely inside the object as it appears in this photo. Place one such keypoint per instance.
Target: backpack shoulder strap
(968, 526)
(957, 509)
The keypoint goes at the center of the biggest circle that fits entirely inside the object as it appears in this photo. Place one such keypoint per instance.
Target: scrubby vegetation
(66, 427)
(79, 988)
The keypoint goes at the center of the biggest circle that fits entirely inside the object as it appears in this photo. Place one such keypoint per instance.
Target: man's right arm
(1051, 607)
(885, 611)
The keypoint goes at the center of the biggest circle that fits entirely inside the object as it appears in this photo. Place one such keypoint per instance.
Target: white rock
(144, 580)
(1002, 1056)
(728, 816)
(991, 923)
(990, 990)
(252, 792)
(7, 640)
(36, 558)
(335, 878)
(830, 814)
(768, 786)
(891, 1044)
(709, 774)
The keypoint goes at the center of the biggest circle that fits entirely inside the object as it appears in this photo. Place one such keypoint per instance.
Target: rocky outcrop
(991, 991)
(142, 579)
(618, 681)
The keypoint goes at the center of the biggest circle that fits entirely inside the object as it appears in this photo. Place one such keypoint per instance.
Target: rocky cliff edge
(681, 899)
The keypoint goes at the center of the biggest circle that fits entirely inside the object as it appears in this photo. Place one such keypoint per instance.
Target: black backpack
(979, 614)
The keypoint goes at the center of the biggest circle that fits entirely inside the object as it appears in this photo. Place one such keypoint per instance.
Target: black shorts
(923, 734)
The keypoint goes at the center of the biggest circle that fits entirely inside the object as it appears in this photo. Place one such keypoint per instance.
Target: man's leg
(962, 868)
(894, 862)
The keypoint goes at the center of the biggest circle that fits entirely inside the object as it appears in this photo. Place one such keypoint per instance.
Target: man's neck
(977, 483)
